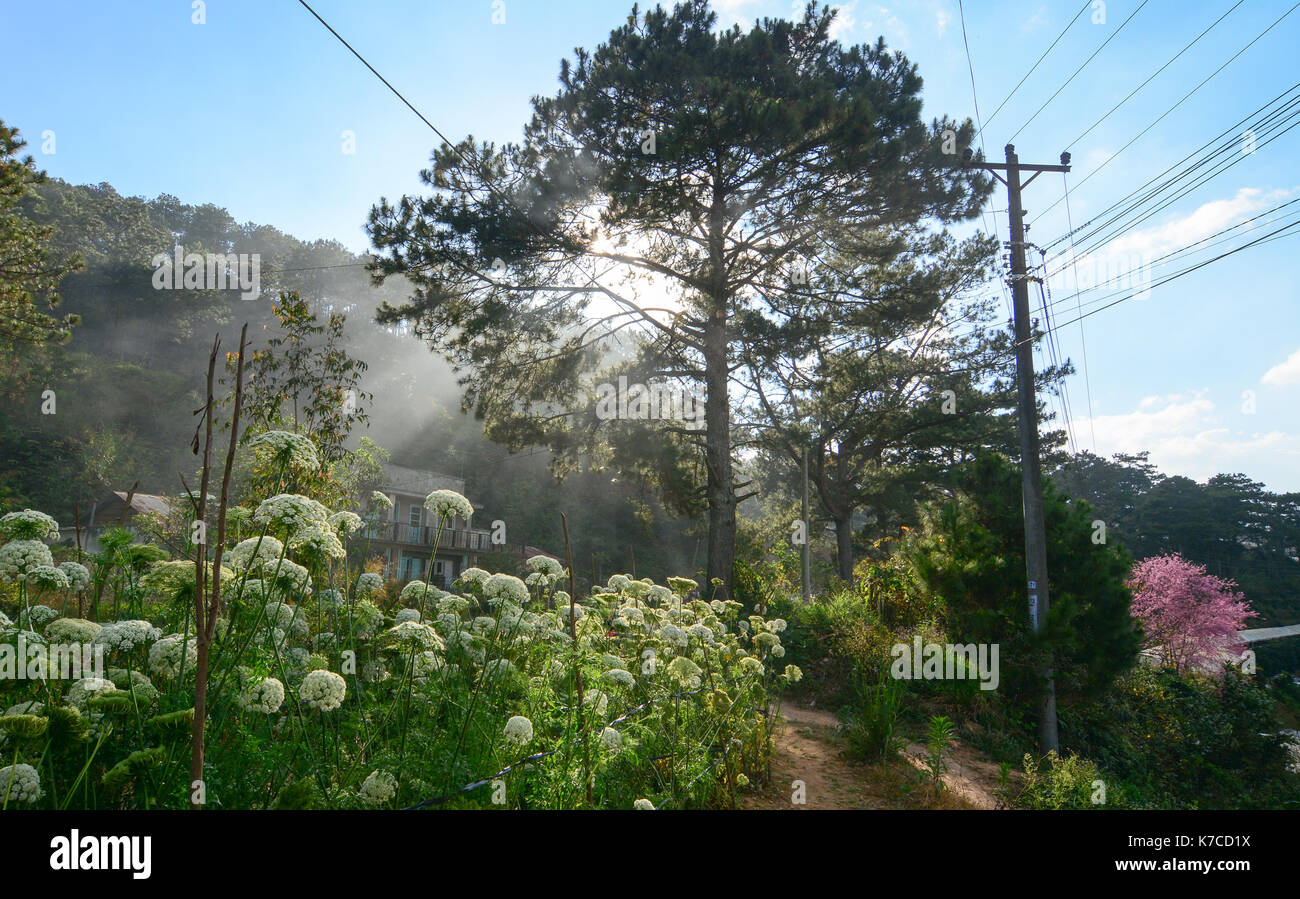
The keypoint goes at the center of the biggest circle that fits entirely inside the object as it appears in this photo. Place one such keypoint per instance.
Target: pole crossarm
(1031, 476)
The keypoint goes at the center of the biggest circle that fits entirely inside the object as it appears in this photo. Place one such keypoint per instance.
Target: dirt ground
(807, 748)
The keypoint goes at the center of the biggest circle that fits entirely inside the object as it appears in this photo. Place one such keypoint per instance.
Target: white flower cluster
(289, 448)
(265, 696)
(519, 731)
(404, 615)
(20, 783)
(611, 739)
(446, 503)
(38, 616)
(85, 688)
(292, 514)
(165, 656)
(323, 690)
(18, 557)
(378, 788)
(320, 541)
(545, 566)
(77, 574)
(505, 587)
(254, 551)
(415, 592)
(72, 630)
(380, 501)
(368, 583)
(29, 524)
(287, 576)
(411, 635)
(124, 636)
(620, 676)
(330, 600)
(474, 577)
(345, 524)
(47, 577)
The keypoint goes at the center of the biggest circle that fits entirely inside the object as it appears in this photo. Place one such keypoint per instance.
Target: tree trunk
(717, 435)
(844, 548)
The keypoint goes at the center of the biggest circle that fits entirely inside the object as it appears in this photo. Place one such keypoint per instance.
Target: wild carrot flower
(21, 783)
(620, 676)
(345, 523)
(369, 582)
(291, 513)
(378, 788)
(265, 696)
(248, 553)
(519, 731)
(503, 587)
(545, 566)
(72, 630)
(446, 503)
(77, 574)
(287, 448)
(18, 557)
(323, 690)
(685, 672)
(165, 656)
(29, 524)
(124, 636)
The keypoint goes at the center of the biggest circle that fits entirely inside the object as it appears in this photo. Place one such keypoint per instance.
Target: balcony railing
(423, 535)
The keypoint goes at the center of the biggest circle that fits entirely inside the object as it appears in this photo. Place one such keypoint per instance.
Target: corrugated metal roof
(146, 502)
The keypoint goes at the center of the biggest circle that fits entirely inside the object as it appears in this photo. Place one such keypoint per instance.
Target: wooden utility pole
(1030, 476)
(807, 535)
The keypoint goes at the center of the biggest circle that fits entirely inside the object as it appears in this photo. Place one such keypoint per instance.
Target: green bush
(1072, 782)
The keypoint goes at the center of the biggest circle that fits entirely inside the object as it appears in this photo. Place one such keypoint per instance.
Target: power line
(1180, 102)
(1153, 75)
(970, 65)
(1153, 180)
(1143, 215)
(1083, 341)
(1186, 271)
(1035, 65)
(1113, 35)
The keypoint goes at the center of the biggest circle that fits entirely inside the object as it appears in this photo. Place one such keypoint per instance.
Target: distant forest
(127, 383)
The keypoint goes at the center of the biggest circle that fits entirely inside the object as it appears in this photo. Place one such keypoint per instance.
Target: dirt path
(807, 750)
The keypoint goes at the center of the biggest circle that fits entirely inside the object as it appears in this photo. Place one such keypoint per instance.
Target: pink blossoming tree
(1190, 616)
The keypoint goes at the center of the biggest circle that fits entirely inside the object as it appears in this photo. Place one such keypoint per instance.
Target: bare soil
(808, 749)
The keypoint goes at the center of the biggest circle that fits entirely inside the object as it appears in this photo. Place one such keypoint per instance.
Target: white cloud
(1284, 373)
(844, 20)
(941, 19)
(731, 12)
(1186, 435)
(884, 22)
(1205, 220)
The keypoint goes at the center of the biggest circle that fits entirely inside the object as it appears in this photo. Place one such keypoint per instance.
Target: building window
(413, 530)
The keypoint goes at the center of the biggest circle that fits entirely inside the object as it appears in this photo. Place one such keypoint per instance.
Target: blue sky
(248, 111)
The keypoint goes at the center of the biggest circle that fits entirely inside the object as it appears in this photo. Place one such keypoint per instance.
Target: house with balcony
(404, 536)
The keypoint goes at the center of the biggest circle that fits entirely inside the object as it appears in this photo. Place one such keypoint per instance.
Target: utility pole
(1030, 476)
(807, 536)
